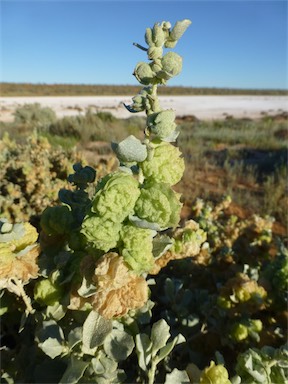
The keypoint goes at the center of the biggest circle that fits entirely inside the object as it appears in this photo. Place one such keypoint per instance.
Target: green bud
(171, 66)
(222, 302)
(165, 166)
(158, 35)
(155, 53)
(144, 73)
(140, 101)
(256, 325)
(45, 292)
(179, 28)
(162, 124)
(239, 332)
(216, 374)
(148, 37)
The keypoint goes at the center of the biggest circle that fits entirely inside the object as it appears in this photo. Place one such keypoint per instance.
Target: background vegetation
(244, 158)
(229, 301)
(28, 89)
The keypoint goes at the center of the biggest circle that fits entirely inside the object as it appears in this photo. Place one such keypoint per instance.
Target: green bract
(137, 248)
(162, 124)
(158, 203)
(144, 73)
(140, 102)
(165, 166)
(116, 196)
(171, 66)
(100, 233)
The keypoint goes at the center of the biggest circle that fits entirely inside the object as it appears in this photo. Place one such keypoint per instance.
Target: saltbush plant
(87, 312)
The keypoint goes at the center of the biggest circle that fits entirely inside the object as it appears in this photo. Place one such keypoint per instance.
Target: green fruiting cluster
(241, 293)
(242, 330)
(134, 201)
(124, 214)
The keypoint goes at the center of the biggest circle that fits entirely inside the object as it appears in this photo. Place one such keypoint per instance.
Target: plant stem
(20, 292)
(152, 371)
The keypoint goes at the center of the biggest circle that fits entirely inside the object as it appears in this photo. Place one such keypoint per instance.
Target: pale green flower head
(166, 164)
(100, 233)
(116, 196)
(158, 203)
(137, 248)
(216, 374)
(162, 124)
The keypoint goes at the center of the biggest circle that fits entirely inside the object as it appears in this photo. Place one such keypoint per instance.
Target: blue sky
(235, 44)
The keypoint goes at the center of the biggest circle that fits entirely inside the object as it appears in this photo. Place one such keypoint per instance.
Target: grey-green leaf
(74, 337)
(95, 329)
(51, 338)
(161, 245)
(52, 347)
(74, 371)
(159, 335)
(87, 289)
(118, 345)
(143, 350)
(129, 150)
(179, 28)
(176, 376)
(168, 348)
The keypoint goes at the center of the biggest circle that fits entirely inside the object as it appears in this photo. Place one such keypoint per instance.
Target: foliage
(31, 175)
(34, 115)
(118, 289)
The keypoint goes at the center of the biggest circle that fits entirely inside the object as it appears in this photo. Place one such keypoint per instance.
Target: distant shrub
(34, 115)
(67, 126)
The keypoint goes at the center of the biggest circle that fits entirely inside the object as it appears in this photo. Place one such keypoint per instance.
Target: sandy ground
(203, 107)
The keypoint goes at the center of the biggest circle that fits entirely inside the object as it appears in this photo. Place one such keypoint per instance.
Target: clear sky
(235, 44)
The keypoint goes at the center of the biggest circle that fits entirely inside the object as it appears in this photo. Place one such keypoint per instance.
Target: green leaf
(168, 348)
(179, 28)
(159, 335)
(74, 371)
(56, 311)
(74, 337)
(176, 376)
(103, 365)
(52, 347)
(51, 338)
(86, 289)
(95, 329)
(161, 245)
(143, 350)
(118, 345)
(129, 150)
